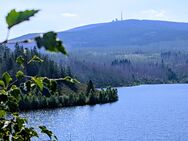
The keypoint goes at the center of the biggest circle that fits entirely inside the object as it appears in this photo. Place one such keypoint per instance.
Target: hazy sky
(59, 15)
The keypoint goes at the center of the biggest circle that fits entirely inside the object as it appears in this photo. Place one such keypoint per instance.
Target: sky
(61, 15)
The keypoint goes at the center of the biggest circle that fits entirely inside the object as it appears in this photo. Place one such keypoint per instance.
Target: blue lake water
(143, 113)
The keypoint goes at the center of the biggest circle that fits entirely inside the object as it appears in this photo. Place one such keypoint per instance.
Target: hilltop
(121, 33)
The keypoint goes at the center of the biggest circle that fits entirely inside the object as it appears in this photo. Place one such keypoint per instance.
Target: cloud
(154, 14)
(69, 15)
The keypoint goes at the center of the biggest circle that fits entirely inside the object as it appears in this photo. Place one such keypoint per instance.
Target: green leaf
(70, 79)
(13, 18)
(6, 78)
(2, 84)
(51, 43)
(76, 81)
(48, 132)
(26, 134)
(35, 59)
(33, 132)
(19, 121)
(12, 103)
(19, 75)
(20, 61)
(15, 92)
(3, 92)
(2, 113)
(38, 81)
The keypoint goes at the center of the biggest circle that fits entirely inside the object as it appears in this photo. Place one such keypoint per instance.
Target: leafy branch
(14, 128)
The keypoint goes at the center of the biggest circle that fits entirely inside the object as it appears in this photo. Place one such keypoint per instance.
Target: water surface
(143, 113)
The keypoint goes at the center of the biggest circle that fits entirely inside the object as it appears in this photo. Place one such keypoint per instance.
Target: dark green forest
(65, 93)
(46, 68)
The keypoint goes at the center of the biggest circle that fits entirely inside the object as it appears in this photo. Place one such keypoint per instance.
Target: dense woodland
(126, 66)
(32, 102)
(47, 68)
(65, 93)
(113, 67)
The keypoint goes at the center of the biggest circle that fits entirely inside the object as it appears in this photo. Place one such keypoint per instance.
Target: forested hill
(122, 33)
(126, 52)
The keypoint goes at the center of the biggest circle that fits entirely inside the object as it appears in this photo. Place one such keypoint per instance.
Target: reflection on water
(143, 113)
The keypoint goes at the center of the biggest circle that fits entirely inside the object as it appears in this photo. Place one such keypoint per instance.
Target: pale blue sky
(59, 15)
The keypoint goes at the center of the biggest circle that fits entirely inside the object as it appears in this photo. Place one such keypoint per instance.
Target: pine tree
(90, 87)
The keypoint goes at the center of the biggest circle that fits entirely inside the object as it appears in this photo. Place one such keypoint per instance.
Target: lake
(143, 113)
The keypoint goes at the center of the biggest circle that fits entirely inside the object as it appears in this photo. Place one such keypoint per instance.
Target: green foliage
(19, 75)
(35, 59)
(70, 79)
(6, 78)
(15, 92)
(47, 132)
(39, 82)
(13, 18)
(2, 113)
(47, 68)
(2, 84)
(20, 61)
(14, 128)
(50, 42)
(20, 90)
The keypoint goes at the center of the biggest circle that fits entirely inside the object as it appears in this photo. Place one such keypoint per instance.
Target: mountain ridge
(121, 33)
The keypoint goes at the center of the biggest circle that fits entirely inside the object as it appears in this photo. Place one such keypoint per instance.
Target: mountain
(122, 33)
(125, 52)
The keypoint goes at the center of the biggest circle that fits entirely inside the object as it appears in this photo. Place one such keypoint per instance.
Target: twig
(12, 83)
(6, 39)
(55, 79)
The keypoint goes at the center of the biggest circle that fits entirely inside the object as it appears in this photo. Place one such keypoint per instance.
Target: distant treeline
(48, 68)
(31, 102)
(119, 67)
